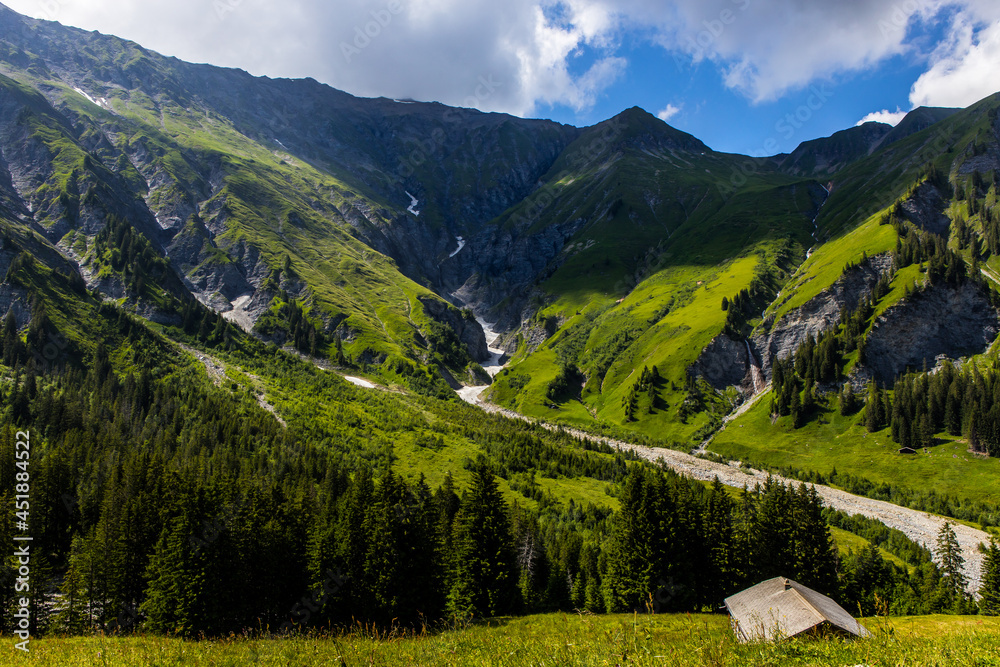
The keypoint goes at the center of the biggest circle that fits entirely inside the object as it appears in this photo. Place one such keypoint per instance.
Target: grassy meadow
(550, 639)
(831, 441)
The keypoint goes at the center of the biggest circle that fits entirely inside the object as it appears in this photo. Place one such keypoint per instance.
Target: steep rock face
(925, 208)
(724, 363)
(820, 313)
(823, 157)
(503, 264)
(15, 300)
(468, 331)
(939, 320)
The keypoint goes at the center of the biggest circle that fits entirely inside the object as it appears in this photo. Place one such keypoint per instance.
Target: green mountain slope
(642, 281)
(657, 237)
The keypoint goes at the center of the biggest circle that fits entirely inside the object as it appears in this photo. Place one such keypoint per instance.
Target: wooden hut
(780, 608)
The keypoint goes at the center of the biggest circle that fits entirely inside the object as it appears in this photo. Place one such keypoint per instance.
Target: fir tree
(630, 551)
(484, 573)
(989, 590)
(720, 540)
(949, 554)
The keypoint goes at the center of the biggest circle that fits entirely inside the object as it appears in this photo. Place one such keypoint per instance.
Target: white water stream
(413, 204)
(492, 366)
(461, 244)
(815, 233)
(755, 373)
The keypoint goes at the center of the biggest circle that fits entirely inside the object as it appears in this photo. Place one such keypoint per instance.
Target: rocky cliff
(724, 363)
(937, 321)
(820, 313)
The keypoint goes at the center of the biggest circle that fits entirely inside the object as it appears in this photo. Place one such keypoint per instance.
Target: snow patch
(413, 204)
(360, 382)
(461, 244)
(493, 365)
(89, 98)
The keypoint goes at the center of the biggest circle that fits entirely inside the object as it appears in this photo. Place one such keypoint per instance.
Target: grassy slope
(268, 200)
(872, 184)
(847, 542)
(642, 281)
(551, 639)
(671, 344)
(386, 428)
(830, 441)
(415, 435)
(827, 262)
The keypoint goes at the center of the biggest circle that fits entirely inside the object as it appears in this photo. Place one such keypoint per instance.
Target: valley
(403, 376)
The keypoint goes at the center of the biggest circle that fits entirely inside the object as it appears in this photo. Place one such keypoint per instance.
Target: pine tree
(74, 615)
(815, 551)
(989, 590)
(798, 414)
(720, 540)
(484, 579)
(951, 561)
(874, 418)
(629, 549)
(352, 541)
(848, 402)
(774, 547)
(174, 581)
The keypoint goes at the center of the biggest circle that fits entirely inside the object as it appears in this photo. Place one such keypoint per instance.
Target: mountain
(357, 230)
(917, 120)
(829, 155)
(236, 314)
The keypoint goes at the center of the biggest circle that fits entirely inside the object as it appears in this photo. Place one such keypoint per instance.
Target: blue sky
(747, 76)
(726, 119)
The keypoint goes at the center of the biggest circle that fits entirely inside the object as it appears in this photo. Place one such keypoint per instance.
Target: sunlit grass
(550, 639)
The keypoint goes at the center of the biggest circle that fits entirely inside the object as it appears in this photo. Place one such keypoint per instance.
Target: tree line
(164, 503)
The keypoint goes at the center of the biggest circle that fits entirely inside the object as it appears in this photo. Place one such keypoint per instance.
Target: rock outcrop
(820, 313)
(925, 208)
(468, 330)
(937, 321)
(724, 363)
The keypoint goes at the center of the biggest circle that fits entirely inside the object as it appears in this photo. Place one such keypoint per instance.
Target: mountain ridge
(378, 220)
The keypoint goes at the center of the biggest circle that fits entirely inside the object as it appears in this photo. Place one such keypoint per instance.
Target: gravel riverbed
(919, 526)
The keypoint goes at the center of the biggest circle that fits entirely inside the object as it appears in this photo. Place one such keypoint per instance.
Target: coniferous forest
(162, 502)
(299, 365)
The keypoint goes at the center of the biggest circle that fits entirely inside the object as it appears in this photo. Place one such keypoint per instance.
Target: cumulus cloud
(531, 51)
(517, 55)
(883, 116)
(964, 70)
(766, 49)
(668, 112)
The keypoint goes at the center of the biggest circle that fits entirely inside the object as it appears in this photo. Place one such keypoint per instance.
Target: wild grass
(550, 639)
(830, 441)
(847, 542)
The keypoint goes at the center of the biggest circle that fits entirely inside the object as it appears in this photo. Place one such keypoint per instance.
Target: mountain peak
(637, 128)
(917, 120)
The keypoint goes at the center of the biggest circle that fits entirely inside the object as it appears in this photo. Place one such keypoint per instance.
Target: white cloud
(425, 49)
(964, 69)
(668, 112)
(536, 52)
(768, 49)
(883, 116)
